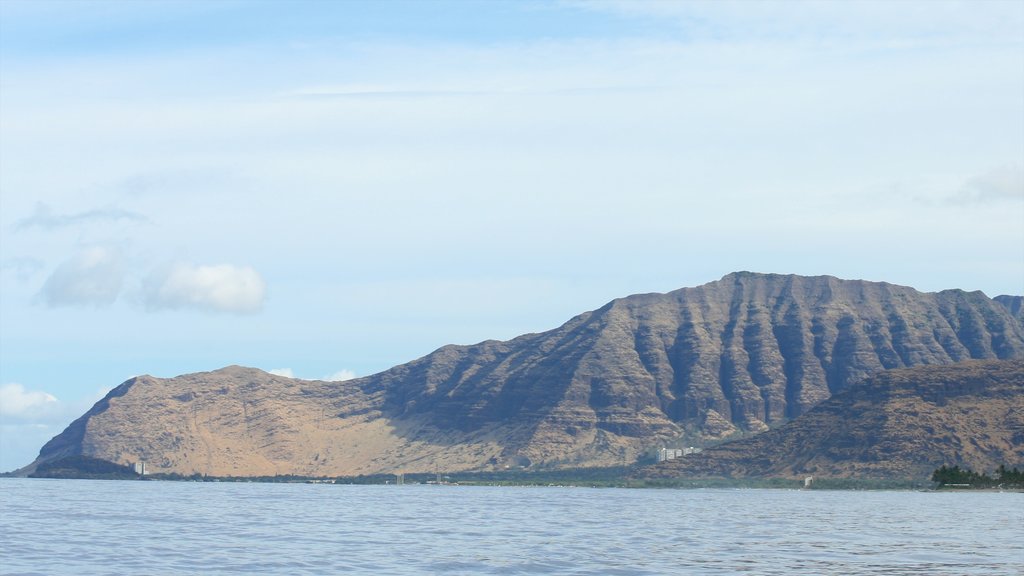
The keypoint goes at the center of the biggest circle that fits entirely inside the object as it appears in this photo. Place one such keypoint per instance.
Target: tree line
(957, 476)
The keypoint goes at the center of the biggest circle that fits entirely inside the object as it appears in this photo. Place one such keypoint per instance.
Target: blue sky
(328, 189)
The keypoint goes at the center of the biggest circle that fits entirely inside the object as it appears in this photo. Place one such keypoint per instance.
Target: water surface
(92, 527)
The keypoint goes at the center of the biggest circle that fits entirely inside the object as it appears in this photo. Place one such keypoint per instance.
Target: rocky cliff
(1014, 304)
(739, 355)
(900, 423)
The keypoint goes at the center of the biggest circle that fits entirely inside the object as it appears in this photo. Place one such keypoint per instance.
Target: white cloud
(44, 216)
(17, 402)
(91, 277)
(341, 376)
(1003, 183)
(221, 288)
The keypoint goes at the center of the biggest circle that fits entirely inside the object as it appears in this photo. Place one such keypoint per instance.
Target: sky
(329, 189)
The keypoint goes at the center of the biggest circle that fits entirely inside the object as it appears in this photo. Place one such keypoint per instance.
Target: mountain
(736, 356)
(1014, 304)
(900, 423)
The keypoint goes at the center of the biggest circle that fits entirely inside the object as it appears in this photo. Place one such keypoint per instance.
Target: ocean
(94, 527)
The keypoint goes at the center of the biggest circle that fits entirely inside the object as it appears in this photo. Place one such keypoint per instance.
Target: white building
(673, 453)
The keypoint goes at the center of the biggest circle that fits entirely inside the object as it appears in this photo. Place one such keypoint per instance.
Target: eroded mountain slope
(901, 423)
(742, 354)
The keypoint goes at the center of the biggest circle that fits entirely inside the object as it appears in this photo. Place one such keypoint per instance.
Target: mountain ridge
(735, 356)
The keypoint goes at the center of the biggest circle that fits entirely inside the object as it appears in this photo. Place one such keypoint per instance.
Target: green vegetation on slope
(84, 467)
(956, 477)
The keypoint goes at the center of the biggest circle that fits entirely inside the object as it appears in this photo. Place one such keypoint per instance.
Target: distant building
(140, 467)
(673, 453)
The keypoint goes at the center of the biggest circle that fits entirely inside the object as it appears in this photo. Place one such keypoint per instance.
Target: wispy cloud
(179, 181)
(339, 376)
(44, 216)
(221, 288)
(916, 22)
(1005, 183)
(393, 91)
(383, 92)
(22, 268)
(92, 277)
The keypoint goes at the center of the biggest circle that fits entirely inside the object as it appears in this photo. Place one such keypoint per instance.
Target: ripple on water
(94, 527)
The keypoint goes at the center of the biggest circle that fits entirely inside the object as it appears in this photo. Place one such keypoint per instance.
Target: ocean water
(86, 527)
